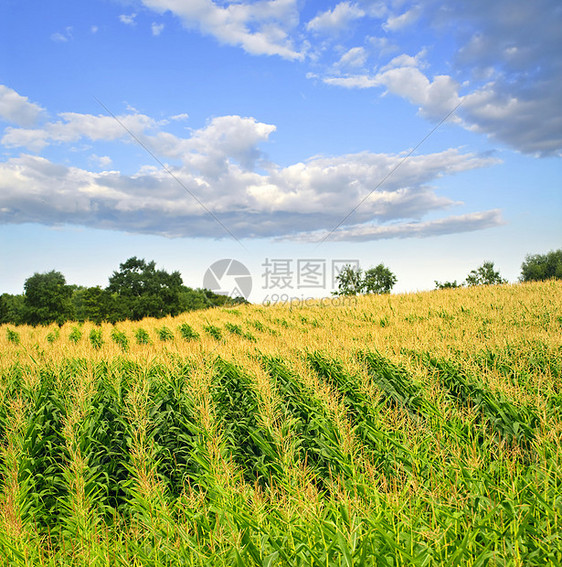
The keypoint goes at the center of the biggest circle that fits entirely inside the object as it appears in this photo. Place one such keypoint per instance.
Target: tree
(47, 298)
(100, 305)
(378, 280)
(350, 281)
(11, 309)
(447, 285)
(144, 291)
(539, 267)
(484, 275)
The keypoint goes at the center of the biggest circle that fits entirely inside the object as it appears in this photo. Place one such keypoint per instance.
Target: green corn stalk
(96, 338)
(187, 332)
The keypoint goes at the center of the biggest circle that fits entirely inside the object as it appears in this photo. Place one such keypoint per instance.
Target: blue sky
(187, 131)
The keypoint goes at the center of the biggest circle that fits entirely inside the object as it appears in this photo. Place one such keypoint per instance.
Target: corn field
(418, 429)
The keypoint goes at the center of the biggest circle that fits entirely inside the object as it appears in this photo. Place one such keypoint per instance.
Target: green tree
(378, 280)
(11, 309)
(537, 267)
(144, 291)
(484, 275)
(350, 281)
(447, 285)
(100, 305)
(47, 299)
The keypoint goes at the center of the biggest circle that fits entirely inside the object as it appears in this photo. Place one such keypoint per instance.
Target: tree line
(137, 290)
(380, 279)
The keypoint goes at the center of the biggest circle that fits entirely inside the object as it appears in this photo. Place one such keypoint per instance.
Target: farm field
(417, 429)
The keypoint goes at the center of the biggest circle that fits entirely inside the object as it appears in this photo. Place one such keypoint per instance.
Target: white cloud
(223, 166)
(59, 37)
(17, 109)
(101, 161)
(74, 126)
(353, 81)
(505, 67)
(157, 29)
(128, 19)
(395, 23)
(335, 20)
(435, 98)
(260, 28)
(94, 29)
(401, 76)
(449, 225)
(62, 37)
(178, 117)
(354, 57)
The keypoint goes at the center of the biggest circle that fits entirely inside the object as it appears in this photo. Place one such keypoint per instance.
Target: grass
(418, 429)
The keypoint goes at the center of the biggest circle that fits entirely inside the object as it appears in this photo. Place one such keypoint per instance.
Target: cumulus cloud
(337, 19)
(403, 77)
(502, 61)
(17, 109)
(222, 166)
(260, 28)
(505, 70)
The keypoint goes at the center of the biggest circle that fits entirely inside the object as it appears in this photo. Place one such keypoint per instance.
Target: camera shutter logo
(228, 277)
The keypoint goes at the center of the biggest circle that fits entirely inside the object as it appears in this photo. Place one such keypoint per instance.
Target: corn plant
(237, 406)
(214, 331)
(53, 336)
(237, 330)
(75, 335)
(319, 440)
(120, 339)
(165, 334)
(187, 332)
(96, 338)
(12, 336)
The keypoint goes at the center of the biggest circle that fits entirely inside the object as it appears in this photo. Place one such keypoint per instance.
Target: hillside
(380, 430)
